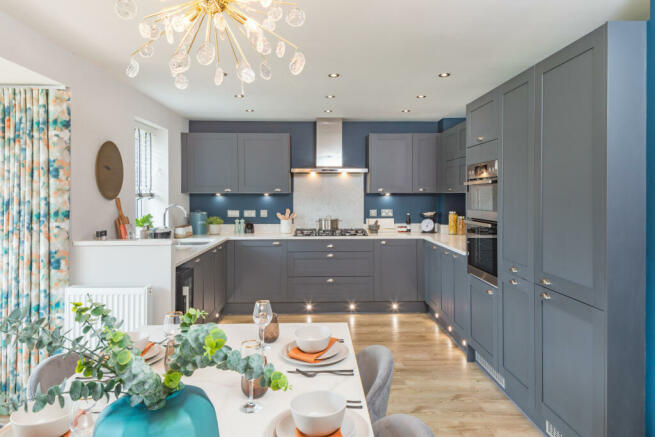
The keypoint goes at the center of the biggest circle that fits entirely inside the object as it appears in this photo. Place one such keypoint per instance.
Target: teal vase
(188, 412)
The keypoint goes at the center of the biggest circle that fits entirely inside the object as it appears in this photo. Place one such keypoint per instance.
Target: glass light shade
(205, 54)
(296, 17)
(219, 21)
(297, 64)
(280, 49)
(219, 76)
(275, 13)
(247, 74)
(132, 68)
(181, 82)
(126, 9)
(147, 51)
(179, 63)
(269, 24)
(265, 71)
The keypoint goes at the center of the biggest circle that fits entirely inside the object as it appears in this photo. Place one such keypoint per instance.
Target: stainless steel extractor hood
(329, 149)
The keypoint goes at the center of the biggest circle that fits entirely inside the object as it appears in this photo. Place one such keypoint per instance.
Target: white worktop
(456, 243)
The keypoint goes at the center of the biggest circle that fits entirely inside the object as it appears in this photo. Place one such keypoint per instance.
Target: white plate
(356, 423)
(155, 350)
(287, 428)
(156, 358)
(340, 355)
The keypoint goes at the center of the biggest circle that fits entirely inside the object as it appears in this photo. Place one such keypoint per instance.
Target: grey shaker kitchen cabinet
(209, 163)
(330, 264)
(432, 276)
(447, 264)
(461, 141)
(396, 272)
(461, 298)
(569, 342)
(482, 119)
(454, 142)
(455, 176)
(260, 271)
(484, 319)
(390, 163)
(425, 161)
(517, 339)
(517, 176)
(264, 163)
(219, 268)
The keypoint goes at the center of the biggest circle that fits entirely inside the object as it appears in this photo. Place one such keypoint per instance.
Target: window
(143, 163)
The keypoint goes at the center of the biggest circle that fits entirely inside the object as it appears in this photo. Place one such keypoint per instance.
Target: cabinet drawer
(329, 289)
(331, 246)
(330, 264)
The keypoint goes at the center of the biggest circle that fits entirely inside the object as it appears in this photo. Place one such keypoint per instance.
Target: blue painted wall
(303, 145)
(650, 235)
(447, 123)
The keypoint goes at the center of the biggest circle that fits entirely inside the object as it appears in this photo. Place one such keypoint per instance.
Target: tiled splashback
(337, 196)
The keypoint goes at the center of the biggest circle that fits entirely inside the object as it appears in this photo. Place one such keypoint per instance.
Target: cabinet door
(432, 268)
(461, 141)
(462, 175)
(220, 280)
(569, 341)
(570, 183)
(482, 119)
(516, 356)
(450, 140)
(390, 163)
(209, 283)
(264, 163)
(452, 176)
(517, 164)
(461, 305)
(448, 285)
(424, 173)
(210, 163)
(197, 294)
(484, 319)
(396, 271)
(260, 271)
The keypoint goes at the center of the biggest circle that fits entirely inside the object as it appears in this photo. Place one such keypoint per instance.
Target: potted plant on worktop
(143, 225)
(147, 404)
(214, 225)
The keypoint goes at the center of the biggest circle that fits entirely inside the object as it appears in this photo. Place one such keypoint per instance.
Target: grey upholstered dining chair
(51, 371)
(401, 425)
(376, 370)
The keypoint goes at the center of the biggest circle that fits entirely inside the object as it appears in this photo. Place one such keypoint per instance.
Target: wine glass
(262, 316)
(172, 322)
(249, 348)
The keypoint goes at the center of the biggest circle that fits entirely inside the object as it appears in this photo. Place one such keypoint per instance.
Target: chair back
(376, 371)
(401, 425)
(51, 371)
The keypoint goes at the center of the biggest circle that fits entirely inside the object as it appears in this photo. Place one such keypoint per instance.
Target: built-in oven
(482, 192)
(482, 245)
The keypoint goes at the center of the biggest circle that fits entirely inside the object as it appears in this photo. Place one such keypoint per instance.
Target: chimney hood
(329, 149)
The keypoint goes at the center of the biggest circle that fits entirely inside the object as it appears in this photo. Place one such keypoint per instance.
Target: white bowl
(312, 338)
(318, 413)
(52, 421)
(140, 339)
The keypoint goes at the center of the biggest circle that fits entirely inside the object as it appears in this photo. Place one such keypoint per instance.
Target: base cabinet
(569, 341)
(396, 277)
(260, 271)
(209, 282)
(461, 296)
(447, 264)
(484, 319)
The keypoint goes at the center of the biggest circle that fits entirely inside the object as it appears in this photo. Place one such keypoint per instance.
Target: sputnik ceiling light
(212, 24)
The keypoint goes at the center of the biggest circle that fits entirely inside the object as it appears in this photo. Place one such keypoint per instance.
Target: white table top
(224, 388)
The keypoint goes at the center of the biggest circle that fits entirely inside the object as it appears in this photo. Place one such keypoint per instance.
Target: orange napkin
(336, 433)
(299, 355)
(147, 348)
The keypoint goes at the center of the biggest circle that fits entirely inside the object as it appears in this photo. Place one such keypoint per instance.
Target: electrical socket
(372, 212)
(387, 212)
(263, 213)
(249, 213)
(233, 213)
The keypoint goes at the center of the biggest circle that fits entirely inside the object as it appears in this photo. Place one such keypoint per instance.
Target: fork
(313, 373)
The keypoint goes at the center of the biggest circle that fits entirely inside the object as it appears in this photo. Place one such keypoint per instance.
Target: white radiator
(132, 305)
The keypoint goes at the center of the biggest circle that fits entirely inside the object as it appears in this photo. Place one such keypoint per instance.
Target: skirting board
(329, 307)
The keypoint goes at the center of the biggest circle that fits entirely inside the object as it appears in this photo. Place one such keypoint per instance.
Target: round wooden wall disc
(109, 170)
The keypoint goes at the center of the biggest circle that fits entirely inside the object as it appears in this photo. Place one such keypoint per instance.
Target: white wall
(103, 108)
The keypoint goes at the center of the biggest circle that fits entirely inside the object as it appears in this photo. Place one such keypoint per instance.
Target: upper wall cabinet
(236, 163)
(453, 142)
(209, 163)
(482, 119)
(264, 163)
(402, 163)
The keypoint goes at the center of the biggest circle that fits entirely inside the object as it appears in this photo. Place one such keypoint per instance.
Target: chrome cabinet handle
(421, 189)
(514, 282)
(545, 281)
(197, 260)
(480, 139)
(450, 188)
(220, 247)
(454, 256)
(384, 243)
(490, 292)
(380, 190)
(545, 296)
(228, 190)
(445, 252)
(330, 246)
(215, 250)
(276, 243)
(330, 255)
(330, 281)
(513, 269)
(277, 190)
(434, 247)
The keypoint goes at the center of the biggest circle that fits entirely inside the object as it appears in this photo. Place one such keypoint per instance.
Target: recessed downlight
(406, 110)
(250, 110)
(328, 111)
(330, 96)
(444, 74)
(334, 75)
(421, 96)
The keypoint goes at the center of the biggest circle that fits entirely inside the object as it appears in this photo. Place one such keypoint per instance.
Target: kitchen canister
(198, 221)
(285, 226)
(452, 223)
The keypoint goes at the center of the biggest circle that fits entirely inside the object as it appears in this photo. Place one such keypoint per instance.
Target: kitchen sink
(191, 243)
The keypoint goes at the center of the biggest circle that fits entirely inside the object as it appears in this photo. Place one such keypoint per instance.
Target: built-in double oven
(482, 220)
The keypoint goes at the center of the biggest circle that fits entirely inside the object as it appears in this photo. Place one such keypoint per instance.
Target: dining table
(224, 387)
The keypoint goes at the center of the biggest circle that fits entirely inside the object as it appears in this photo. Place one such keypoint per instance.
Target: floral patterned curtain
(34, 216)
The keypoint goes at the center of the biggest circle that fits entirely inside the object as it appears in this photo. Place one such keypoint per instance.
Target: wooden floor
(432, 379)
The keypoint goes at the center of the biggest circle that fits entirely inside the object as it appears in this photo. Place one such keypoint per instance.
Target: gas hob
(357, 232)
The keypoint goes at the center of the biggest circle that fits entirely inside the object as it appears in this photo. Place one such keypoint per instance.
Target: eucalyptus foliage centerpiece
(110, 365)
